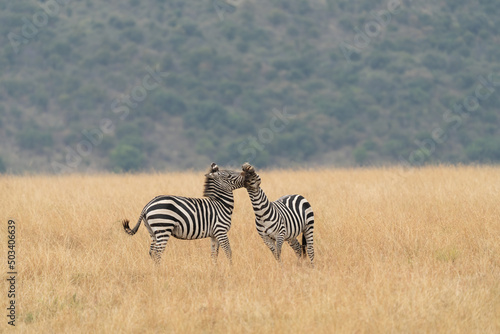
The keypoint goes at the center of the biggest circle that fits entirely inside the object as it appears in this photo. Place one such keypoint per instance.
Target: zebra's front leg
(297, 248)
(215, 249)
(224, 243)
(279, 244)
(270, 244)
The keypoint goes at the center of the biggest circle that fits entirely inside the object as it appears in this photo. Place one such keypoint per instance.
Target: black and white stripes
(281, 220)
(193, 218)
(210, 217)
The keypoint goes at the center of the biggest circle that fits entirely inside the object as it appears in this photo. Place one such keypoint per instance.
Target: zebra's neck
(261, 204)
(216, 193)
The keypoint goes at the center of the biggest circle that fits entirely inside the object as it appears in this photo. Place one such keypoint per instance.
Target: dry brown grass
(418, 253)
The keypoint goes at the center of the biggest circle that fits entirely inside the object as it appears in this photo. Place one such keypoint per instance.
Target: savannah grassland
(396, 251)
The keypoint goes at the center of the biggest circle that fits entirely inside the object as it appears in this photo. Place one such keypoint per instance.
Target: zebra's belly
(179, 233)
(272, 230)
(289, 236)
(264, 228)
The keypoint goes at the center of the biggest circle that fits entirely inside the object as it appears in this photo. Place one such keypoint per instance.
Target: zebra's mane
(209, 181)
(208, 187)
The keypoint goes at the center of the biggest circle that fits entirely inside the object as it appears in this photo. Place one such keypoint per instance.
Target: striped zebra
(281, 220)
(193, 218)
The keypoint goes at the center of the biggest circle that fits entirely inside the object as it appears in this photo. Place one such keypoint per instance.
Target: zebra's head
(227, 180)
(252, 179)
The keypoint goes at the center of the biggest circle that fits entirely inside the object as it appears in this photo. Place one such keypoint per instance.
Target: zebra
(281, 220)
(193, 218)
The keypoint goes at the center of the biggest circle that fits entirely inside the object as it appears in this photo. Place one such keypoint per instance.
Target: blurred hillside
(156, 84)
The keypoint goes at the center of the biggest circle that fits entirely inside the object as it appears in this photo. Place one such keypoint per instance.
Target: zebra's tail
(130, 231)
(304, 244)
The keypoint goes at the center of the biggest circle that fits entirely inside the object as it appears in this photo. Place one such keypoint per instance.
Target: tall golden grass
(412, 252)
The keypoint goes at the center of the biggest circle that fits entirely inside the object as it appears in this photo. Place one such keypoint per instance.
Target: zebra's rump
(295, 211)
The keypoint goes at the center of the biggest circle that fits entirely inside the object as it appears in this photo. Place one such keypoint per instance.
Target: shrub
(62, 49)
(277, 17)
(134, 34)
(126, 158)
(486, 149)
(32, 138)
(3, 167)
(191, 29)
(378, 61)
(207, 115)
(434, 62)
(360, 155)
(119, 23)
(229, 90)
(162, 101)
(40, 99)
(18, 88)
(103, 57)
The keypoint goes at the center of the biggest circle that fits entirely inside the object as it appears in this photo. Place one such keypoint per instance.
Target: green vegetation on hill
(84, 84)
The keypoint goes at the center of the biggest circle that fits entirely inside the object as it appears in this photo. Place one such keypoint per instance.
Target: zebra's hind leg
(224, 243)
(297, 248)
(152, 252)
(308, 237)
(215, 249)
(158, 247)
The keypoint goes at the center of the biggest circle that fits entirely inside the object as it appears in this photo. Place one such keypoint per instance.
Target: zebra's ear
(247, 168)
(213, 169)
